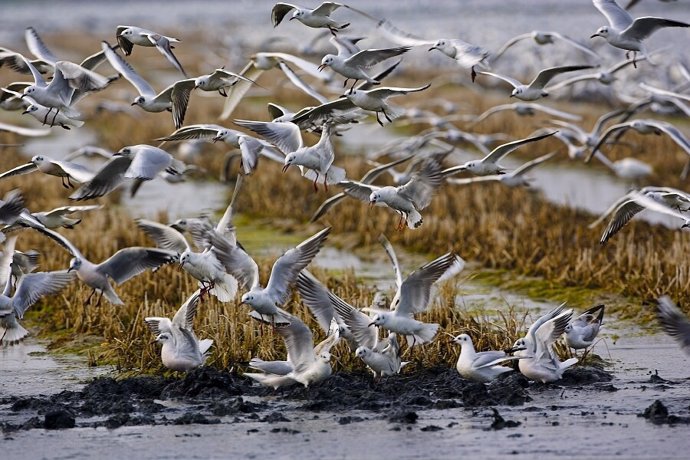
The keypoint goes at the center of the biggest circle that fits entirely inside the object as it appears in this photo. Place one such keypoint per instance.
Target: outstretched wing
(129, 262)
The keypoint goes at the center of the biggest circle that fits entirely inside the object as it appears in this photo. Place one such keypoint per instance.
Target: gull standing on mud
(483, 366)
(120, 267)
(538, 361)
(535, 89)
(128, 36)
(625, 33)
(305, 364)
(413, 295)
(581, 332)
(181, 350)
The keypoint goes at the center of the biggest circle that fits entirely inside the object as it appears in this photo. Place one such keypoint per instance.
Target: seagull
(315, 161)
(261, 62)
(317, 18)
(537, 359)
(605, 77)
(630, 169)
(60, 217)
(489, 164)
(174, 98)
(267, 301)
(483, 366)
(625, 33)
(128, 36)
(646, 126)
(250, 147)
(369, 177)
(526, 108)
(30, 289)
(375, 99)
(674, 322)
(66, 170)
(355, 66)
(581, 332)
(626, 207)
(181, 350)
(535, 89)
(632, 3)
(413, 295)
(542, 37)
(407, 199)
(219, 80)
(43, 113)
(140, 162)
(120, 267)
(306, 364)
(514, 178)
(465, 54)
(381, 356)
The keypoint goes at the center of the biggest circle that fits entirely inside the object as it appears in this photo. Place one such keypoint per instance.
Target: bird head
(124, 152)
(163, 337)
(374, 198)
(126, 32)
(28, 91)
(378, 320)
(37, 159)
(361, 352)
(462, 339)
(31, 108)
(74, 264)
(289, 160)
(438, 45)
(601, 32)
(139, 100)
(247, 298)
(326, 61)
(516, 92)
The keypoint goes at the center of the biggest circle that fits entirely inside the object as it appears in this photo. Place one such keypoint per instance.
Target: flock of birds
(218, 261)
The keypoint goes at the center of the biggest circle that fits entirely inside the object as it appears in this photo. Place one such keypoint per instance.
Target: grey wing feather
(356, 321)
(279, 11)
(127, 71)
(624, 213)
(674, 322)
(105, 181)
(315, 297)
(298, 341)
(287, 267)
(129, 262)
(19, 170)
(301, 84)
(285, 136)
(37, 47)
(358, 190)
(184, 317)
(165, 236)
(235, 260)
(33, 286)
(421, 187)
(415, 291)
(617, 17)
(369, 58)
(546, 75)
(502, 150)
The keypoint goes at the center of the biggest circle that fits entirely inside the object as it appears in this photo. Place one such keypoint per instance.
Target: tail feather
(426, 334)
(204, 345)
(13, 334)
(567, 363)
(414, 219)
(225, 290)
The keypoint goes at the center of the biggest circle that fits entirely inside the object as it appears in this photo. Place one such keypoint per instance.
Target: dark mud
(207, 396)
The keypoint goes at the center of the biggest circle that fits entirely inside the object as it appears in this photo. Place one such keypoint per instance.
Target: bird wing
(78, 172)
(37, 47)
(490, 358)
(301, 84)
(513, 82)
(421, 187)
(549, 332)
(127, 71)
(617, 17)
(125, 44)
(556, 113)
(611, 129)
(510, 43)
(163, 45)
(148, 161)
(315, 297)
(643, 27)
(546, 75)
(358, 190)
(129, 262)
(655, 206)
(288, 266)
(330, 111)
(67, 210)
(575, 44)
(279, 11)
(672, 132)
(674, 322)
(61, 240)
(308, 67)
(285, 136)
(158, 325)
(106, 179)
(19, 170)
(502, 150)
(205, 131)
(371, 57)
(81, 79)
(415, 291)
(526, 167)
(326, 8)
(390, 252)
(184, 317)
(237, 91)
(235, 260)
(386, 91)
(33, 286)
(531, 332)
(22, 131)
(400, 37)
(6, 257)
(298, 341)
(179, 96)
(165, 236)
(356, 321)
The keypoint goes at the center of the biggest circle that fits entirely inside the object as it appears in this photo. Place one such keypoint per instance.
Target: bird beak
(22, 96)
(432, 48)
(514, 349)
(70, 269)
(372, 324)
(133, 103)
(25, 112)
(371, 204)
(595, 35)
(215, 139)
(321, 67)
(292, 18)
(285, 167)
(512, 95)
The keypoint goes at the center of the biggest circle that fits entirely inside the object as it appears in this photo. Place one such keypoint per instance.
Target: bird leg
(52, 123)
(86, 302)
(325, 182)
(377, 119)
(222, 92)
(98, 302)
(345, 82)
(352, 88)
(333, 30)
(316, 187)
(69, 182)
(45, 119)
(386, 115)
(473, 74)
(63, 182)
